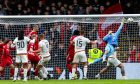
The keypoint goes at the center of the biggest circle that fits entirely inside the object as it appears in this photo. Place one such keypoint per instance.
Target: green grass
(72, 82)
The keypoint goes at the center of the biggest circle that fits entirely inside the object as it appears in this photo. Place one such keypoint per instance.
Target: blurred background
(64, 7)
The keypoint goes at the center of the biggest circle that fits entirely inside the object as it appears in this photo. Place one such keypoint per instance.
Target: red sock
(69, 67)
(11, 72)
(36, 72)
(28, 73)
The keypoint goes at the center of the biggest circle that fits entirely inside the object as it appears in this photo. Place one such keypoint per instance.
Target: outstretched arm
(120, 28)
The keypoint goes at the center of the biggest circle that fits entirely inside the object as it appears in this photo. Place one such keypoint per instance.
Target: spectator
(75, 7)
(102, 9)
(53, 12)
(63, 11)
(96, 7)
(81, 10)
(59, 4)
(2, 11)
(19, 9)
(86, 4)
(132, 54)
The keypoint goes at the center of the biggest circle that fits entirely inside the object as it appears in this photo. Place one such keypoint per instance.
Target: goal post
(59, 29)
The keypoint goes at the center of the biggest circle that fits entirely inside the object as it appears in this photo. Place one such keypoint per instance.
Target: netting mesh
(58, 31)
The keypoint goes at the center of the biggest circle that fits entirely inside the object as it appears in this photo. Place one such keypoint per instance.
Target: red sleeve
(6, 51)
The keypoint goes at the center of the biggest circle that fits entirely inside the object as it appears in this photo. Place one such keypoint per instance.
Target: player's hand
(96, 41)
(123, 20)
(110, 32)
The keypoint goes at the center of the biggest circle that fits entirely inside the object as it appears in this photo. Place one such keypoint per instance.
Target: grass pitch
(72, 82)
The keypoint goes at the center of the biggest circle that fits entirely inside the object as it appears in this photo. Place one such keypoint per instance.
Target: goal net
(59, 29)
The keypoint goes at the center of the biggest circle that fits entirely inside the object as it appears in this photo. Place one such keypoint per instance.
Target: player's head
(8, 41)
(76, 33)
(21, 35)
(42, 36)
(82, 32)
(35, 27)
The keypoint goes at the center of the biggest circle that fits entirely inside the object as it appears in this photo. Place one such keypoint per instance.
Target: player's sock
(36, 72)
(11, 72)
(73, 72)
(28, 73)
(97, 60)
(69, 67)
(104, 57)
(85, 71)
(25, 73)
(41, 74)
(45, 70)
(15, 73)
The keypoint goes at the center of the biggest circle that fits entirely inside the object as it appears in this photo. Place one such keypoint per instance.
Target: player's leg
(85, 63)
(17, 66)
(44, 69)
(11, 70)
(24, 59)
(11, 65)
(103, 70)
(68, 63)
(75, 64)
(117, 63)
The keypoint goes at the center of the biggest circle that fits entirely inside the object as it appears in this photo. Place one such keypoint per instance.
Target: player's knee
(121, 66)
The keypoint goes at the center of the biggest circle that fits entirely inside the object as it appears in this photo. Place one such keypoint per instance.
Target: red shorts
(33, 58)
(70, 57)
(6, 61)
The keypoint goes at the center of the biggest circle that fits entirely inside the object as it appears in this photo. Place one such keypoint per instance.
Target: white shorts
(79, 57)
(21, 59)
(44, 60)
(113, 61)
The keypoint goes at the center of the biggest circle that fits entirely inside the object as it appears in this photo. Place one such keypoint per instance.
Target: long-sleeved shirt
(113, 38)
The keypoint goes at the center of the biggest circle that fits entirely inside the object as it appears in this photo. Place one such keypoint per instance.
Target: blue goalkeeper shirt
(112, 39)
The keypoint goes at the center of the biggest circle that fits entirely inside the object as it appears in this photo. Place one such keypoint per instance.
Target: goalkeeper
(94, 54)
(111, 39)
(110, 52)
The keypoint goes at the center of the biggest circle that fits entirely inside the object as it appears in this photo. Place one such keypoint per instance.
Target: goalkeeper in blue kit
(110, 52)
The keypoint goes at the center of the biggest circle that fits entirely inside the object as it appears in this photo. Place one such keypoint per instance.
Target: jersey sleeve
(27, 39)
(40, 44)
(14, 42)
(87, 40)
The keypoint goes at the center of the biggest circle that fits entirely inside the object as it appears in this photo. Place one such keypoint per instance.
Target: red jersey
(71, 47)
(1, 48)
(36, 44)
(133, 56)
(6, 51)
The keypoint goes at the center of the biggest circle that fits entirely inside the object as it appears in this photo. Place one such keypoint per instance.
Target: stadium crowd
(63, 7)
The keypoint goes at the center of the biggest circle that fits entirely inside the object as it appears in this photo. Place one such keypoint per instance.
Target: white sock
(85, 71)
(15, 73)
(45, 70)
(41, 73)
(25, 73)
(73, 71)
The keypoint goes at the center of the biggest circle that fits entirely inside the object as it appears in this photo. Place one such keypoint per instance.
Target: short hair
(82, 32)
(21, 35)
(76, 32)
(41, 36)
(7, 40)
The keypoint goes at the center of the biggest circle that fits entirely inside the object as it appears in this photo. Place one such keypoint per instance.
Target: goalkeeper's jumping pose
(110, 53)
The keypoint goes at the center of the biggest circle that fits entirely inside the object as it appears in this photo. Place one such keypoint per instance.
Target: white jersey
(21, 45)
(80, 43)
(44, 45)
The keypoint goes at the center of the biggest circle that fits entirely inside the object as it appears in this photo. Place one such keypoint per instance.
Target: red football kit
(33, 57)
(70, 54)
(6, 56)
